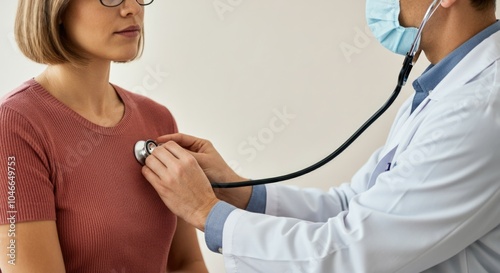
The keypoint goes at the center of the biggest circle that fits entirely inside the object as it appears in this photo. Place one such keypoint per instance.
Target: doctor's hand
(180, 182)
(214, 166)
(212, 163)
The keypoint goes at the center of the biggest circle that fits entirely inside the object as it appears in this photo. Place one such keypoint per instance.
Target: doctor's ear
(447, 3)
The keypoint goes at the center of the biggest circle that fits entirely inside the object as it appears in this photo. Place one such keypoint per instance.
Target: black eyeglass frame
(121, 2)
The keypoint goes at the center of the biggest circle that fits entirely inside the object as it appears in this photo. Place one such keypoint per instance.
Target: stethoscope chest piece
(144, 148)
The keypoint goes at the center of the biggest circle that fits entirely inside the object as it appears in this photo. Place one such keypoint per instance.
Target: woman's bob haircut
(41, 37)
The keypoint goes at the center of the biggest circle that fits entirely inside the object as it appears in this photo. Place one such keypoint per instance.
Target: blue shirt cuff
(258, 199)
(214, 226)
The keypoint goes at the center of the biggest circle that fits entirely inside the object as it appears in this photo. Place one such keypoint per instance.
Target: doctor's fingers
(169, 175)
(165, 160)
(191, 143)
(154, 170)
(185, 141)
(201, 149)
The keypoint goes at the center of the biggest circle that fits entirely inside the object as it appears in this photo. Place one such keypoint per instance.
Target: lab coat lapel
(485, 54)
(472, 65)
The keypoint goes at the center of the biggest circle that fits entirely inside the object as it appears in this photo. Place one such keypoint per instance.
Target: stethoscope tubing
(403, 76)
(143, 149)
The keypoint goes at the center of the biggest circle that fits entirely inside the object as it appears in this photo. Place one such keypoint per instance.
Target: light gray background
(228, 68)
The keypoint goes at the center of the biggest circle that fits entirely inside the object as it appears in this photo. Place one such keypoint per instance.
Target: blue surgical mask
(383, 19)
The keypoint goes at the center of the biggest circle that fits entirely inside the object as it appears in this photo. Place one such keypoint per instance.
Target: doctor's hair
(41, 37)
(483, 5)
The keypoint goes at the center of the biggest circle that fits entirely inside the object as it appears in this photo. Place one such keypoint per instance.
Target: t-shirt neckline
(119, 128)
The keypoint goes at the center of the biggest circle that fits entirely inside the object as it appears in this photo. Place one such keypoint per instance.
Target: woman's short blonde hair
(40, 34)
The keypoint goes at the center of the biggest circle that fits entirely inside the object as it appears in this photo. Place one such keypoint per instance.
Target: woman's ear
(447, 3)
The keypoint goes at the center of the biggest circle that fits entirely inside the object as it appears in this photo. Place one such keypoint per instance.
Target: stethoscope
(143, 149)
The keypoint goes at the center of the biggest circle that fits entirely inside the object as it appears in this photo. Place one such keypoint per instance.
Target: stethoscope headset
(144, 148)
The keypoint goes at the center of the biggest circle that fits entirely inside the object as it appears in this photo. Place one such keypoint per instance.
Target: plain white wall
(230, 70)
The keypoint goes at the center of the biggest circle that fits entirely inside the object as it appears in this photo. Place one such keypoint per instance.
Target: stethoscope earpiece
(143, 149)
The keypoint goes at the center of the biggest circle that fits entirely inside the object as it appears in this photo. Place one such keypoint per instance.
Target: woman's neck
(86, 90)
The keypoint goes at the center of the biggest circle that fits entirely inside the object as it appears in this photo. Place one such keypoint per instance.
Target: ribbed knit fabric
(86, 178)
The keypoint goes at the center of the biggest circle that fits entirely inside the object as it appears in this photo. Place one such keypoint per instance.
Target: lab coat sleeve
(314, 204)
(441, 196)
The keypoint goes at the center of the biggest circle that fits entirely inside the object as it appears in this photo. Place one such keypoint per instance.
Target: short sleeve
(26, 189)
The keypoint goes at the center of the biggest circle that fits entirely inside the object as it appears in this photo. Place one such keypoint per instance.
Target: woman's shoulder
(144, 109)
(23, 103)
(135, 98)
(140, 102)
(18, 97)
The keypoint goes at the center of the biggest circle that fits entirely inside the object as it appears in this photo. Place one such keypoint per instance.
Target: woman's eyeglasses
(116, 3)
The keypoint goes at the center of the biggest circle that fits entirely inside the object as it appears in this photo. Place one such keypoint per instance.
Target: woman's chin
(124, 58)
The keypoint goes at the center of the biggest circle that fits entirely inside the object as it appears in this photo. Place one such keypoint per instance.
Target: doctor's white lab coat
(436, 210)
